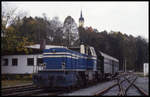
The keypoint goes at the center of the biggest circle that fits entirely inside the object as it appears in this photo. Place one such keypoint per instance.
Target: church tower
(81, 20)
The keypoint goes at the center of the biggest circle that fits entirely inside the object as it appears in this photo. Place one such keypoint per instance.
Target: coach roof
(109, 57)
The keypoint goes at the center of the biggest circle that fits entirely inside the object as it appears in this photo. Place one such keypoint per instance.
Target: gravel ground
(112, 92)
(90, 91)
(143, 83)
(133, 92)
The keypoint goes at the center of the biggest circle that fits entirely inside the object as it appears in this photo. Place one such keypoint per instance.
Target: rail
(141, 91)
(12, 90)
(122, 88)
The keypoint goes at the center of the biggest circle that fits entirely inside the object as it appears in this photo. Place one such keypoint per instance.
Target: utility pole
(125, 65)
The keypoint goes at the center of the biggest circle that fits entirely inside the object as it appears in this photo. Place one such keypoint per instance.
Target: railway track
(113, 88)
(17, 88)
(141, 91)
(122, 87)
(20, 90)
(30, 90)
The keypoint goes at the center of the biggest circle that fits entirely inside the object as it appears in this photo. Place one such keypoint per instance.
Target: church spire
(81, 20)
(81, 14)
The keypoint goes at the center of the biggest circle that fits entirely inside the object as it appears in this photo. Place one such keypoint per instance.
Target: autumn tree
(133, 50)
(11, 38)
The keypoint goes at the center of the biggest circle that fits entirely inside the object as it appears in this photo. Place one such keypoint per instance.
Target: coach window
(89, 52)
(39, 61)
(5, 62)
(30, 61)
(14, 62)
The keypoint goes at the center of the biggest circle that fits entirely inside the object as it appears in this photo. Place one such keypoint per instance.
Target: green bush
(27, 77)
(4, 77)
(17, 77)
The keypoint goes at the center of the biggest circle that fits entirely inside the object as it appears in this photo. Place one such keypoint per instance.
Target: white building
(21, 63)
(146, 68)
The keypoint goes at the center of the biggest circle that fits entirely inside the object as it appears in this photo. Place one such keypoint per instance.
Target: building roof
(30, 51)
(37, 46)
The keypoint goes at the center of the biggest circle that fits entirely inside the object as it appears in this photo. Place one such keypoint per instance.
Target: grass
(10, 83)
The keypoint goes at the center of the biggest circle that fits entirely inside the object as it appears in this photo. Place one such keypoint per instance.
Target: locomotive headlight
(44, 64)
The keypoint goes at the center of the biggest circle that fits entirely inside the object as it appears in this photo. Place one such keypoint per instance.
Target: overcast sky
(127, 17)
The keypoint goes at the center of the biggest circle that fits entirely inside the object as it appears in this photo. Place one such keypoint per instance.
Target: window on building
(30, 61)
(14, 62)
(5, 62)
(39, 61)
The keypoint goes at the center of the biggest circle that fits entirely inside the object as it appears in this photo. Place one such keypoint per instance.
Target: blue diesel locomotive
(65, 67)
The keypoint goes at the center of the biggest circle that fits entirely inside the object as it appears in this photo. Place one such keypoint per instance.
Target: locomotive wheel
(77, 86)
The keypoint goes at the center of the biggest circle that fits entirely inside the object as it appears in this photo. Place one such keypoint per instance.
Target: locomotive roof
(77, 49)
(108, 56)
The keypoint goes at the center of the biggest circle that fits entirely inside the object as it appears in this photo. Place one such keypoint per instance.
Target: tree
(10, 14)
(11, 38)
(14, 42)
(121, 46)
(70, 31)
(142, 52)
(56, 31)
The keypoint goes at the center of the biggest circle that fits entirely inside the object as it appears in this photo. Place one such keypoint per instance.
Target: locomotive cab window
(89, 52)
(92, 51)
